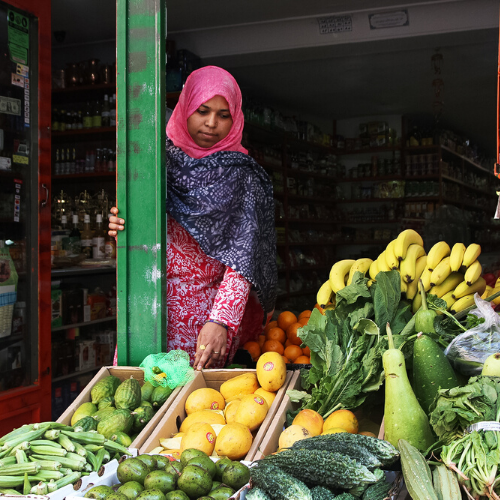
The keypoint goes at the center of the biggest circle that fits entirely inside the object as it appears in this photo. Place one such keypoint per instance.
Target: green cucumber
(431, 371)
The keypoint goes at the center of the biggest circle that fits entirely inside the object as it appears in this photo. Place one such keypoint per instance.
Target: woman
(221, 242)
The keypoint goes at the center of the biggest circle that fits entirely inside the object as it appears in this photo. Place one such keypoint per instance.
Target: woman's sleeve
(231, 299)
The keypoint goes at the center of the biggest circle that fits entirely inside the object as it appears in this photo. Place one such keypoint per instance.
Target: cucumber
(431, 371)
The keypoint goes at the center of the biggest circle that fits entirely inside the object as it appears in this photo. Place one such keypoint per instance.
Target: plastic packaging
(469, 350)
(175, 365)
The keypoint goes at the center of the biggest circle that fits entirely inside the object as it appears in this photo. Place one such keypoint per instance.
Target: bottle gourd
(403, 416)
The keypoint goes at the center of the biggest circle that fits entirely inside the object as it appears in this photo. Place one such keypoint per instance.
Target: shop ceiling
(277, 53)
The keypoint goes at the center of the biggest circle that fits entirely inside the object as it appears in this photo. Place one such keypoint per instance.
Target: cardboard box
(213, 379)
(123, 373)
(270, 442)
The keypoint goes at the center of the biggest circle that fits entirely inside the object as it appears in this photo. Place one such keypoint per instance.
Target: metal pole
(140, 81)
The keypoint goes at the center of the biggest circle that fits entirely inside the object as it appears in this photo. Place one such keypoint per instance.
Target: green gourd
(431, 371)
(403, 415)
(424, 317)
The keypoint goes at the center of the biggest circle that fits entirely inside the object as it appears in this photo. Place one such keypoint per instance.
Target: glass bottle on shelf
(69, 120)
(96, 115)
(79, 120)
(55, 120)
(62, 121)
(75, 240)
(110, 246)
(57, 165)
(415, 138)
(86, 237)
(87, 117)
(105, 117)
(98, 244)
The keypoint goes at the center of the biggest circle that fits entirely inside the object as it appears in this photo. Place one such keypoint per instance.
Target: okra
(49, 450)
(11, 481)
(74, 456)
(113, 446)
(26, 485)
(65, 462)
(107, 456)
(27, 436)
(45, 475)
(21, 457)
(20, 469)
(7, 461)
(16, 432)
(65, 470)
(59, 426)
(49, 464)
(93, 447)
(41, 488)
(99, 457)
(33, 490)
(25, 446)
(66, 443)
(45, 442)
(8, 491)
(86, 437)
(68, 479)
(52, 486)
(80, 450)
(87, 467)
(52, 434)
(92, 460)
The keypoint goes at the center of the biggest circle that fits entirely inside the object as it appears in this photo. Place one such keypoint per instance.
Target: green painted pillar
(140, 82)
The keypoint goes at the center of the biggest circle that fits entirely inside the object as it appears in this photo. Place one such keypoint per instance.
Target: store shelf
(468, 160)
(298, 197)
(379, 200)
(82, 271)
(362, 242)
(356, 222)
(76, 374)
(86, 175)
(84, 132)
(86, 323)
(343, 152)
(84, 88)
(307, 244)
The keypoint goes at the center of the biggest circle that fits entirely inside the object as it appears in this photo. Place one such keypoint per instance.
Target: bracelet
(216, 322)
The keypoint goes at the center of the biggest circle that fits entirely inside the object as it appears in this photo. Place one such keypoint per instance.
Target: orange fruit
(291, 333)
(285, 359)
(305, 314)
(303, 321)
(253, 348)
(273, 346)
(368, 433)
(287, 343)
(271, 324)
(302, 360)
(319, 308)
(276, 334)
(285, 319)
(292, 352)
(344, 419)
(262, 339)
(306, 351)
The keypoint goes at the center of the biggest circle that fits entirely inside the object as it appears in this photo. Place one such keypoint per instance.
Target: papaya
(237, 387)
(403, 416)
(271, 371)
(431, 371)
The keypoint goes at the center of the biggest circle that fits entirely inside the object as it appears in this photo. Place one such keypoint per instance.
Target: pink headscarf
(200, 87)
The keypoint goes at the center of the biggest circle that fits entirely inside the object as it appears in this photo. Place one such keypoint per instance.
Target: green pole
(140, 188)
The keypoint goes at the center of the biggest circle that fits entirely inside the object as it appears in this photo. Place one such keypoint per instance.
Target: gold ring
(215, 352)
(202, 347)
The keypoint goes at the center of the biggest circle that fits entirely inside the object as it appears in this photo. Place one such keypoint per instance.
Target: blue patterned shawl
(225, 202)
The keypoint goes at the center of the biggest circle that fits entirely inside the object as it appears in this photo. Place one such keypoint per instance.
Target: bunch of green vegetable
(41, 458)
(347, 343)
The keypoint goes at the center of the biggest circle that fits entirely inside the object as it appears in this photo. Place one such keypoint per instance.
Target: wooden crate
(123, 373)
(213, 379)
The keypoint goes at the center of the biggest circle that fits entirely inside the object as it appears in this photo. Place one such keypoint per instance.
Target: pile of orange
(281, 336)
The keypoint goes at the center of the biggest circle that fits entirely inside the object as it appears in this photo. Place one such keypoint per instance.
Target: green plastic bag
(169, 369)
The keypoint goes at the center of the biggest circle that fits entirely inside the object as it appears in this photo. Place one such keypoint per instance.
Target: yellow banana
(412, 288)
(441, 272)
(370, 283)
(373, 271)
(495, 290)
(471, 254)
(382, 263)
(417, 302)
(487, 292)
(437, 253)
(448, 285)
(404, 285)
(497, 282)
(473, 272)
(448, 298)
(361, 265)
(324, 295)
(408, 266)
(390, 257)
(457, 256)
(404, 240)
(339, 273)
(426, 279)
(462, 303)
(464, 289)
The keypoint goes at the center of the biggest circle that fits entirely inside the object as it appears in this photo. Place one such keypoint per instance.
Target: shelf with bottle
(84, 323)
(84, 161)
(80, 89)
(76, 374)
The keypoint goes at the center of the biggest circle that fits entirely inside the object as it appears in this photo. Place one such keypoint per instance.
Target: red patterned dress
(199, 288)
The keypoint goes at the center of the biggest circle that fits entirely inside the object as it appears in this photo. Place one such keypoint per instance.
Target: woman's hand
(213, 338)
(115, 223)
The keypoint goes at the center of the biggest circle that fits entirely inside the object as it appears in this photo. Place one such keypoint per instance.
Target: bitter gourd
(346, 496)
(377, 491)
(278, 484)
(323, 468)
(321, 493)
(366, 450)
(257, 494)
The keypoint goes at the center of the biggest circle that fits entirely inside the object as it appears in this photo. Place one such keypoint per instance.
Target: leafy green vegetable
(473, 321)
(347, 343)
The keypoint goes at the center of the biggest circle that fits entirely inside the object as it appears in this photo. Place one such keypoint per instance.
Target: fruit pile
(155, 477)
(281, 336)
(222, 423)
(453, 274)
(308, 423)
(120, 410)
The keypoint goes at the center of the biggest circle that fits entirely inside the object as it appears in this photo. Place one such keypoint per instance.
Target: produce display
(42, 458)
(194, 476)
(223, 422)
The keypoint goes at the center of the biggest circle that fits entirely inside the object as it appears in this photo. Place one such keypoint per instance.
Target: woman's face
(210, 123)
